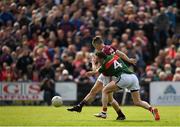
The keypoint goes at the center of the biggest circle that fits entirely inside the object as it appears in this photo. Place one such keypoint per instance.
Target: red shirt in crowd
(7, 75)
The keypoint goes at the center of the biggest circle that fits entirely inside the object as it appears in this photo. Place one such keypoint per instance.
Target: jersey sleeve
(101, 69)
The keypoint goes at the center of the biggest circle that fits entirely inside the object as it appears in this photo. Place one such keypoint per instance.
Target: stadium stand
(35, 34)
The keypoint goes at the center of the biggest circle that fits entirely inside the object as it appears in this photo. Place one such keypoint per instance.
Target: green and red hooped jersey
(114, 66)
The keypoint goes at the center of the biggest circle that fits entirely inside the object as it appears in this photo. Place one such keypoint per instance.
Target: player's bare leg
(135, 96)
(111, 87)
(116, 107)
(96, 89)
(107, 96)
(89, 97)
(138, 102)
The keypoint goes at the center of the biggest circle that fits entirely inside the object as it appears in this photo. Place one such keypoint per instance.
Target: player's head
(101, 56)
(98, 43)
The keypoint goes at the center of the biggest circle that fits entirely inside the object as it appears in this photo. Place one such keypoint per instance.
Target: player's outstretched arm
(125, 57)
(95, 64)
(94, 72)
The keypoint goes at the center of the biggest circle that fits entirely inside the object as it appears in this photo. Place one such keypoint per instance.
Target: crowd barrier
(10, 91)
(165, 93)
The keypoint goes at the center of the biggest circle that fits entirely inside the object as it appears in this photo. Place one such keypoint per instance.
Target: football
(57, 101)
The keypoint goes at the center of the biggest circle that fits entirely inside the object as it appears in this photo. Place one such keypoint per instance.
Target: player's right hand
(133, 61)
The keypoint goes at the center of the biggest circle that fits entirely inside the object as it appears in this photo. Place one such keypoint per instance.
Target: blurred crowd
(51, 39)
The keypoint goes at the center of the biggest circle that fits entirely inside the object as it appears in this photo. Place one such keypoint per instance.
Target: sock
(104, 110)
(82, 103)
(150, 109)
(119, 112)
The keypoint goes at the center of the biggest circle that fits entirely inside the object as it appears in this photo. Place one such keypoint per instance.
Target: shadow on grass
(106, 120)
(133, 121)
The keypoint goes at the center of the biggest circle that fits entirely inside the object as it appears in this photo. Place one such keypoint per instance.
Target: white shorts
(104, 79)
(129, 81)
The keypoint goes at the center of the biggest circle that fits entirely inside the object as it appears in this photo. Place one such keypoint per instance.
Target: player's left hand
(89, 73)
(133, 61)
(93, 59)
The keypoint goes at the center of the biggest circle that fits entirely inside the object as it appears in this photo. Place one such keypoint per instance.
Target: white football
(57, 101)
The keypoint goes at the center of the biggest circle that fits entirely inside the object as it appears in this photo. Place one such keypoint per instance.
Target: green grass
(51, 116)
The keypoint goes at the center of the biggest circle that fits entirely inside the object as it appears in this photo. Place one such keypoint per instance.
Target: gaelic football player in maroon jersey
(103, 80)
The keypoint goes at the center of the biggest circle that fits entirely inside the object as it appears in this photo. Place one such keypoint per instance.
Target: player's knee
(111, 101)
(110, 98)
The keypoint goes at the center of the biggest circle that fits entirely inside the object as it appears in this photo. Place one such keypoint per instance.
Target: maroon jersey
(108, 50)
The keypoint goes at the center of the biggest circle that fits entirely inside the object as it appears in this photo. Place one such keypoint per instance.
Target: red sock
(104, 109)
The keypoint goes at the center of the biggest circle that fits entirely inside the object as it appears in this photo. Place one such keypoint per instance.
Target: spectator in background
(5, 15)
(78, 42)
(23, 61)
(172, 18)
(172, 51)
(66, 62)
(76, 20)
(78, 63)
(40, 58)
(177, 60)
(84, 84)
(168, 71)
(29, 73)
(146, 79)
(58, 74)
(35, 76)
(162, 76)
(65, 76)
(48, 86)
(56, 61)
(6, 56)
(61, 41)
(162, 25)
(66, 25)
(131, 23)
(47, 75)
(47, 72)
(7, 74)
(177, 75)
(83, 79)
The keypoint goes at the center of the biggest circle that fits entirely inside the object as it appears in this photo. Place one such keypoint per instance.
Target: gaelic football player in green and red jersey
(112, 65)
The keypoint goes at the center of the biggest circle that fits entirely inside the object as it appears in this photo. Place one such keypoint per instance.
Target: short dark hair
(97, 40)
(101, 55)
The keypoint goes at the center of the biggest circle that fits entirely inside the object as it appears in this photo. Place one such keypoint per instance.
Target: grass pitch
(51, 116)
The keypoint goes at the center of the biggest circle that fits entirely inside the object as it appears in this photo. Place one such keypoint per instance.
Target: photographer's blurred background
(45, 45)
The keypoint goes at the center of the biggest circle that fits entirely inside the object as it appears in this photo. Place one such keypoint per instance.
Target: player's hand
(89, 73)
(93, 59)
(133, 61)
